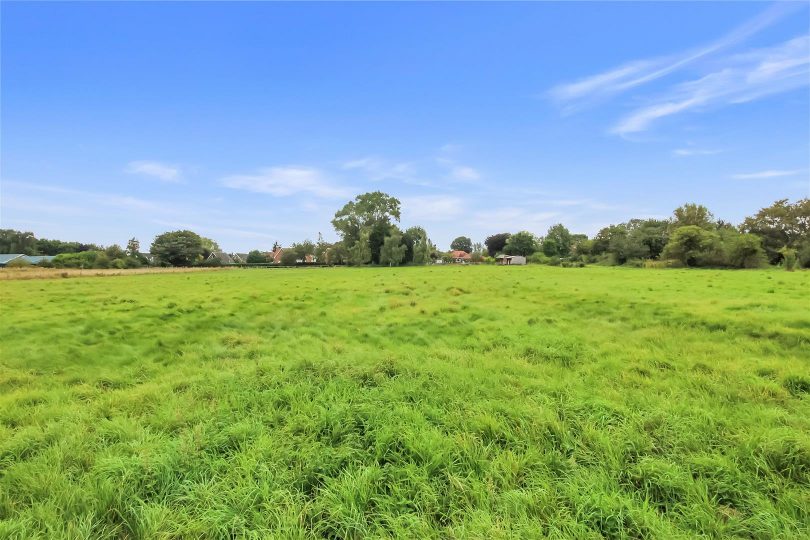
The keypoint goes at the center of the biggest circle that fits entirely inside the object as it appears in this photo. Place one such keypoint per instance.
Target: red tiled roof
(457, 254)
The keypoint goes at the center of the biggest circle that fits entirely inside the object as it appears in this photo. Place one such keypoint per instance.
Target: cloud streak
(639, 72)
(685, 152)
(750, 76)
(287, 181)
(432, 208)
(763, 175)
(155, 169)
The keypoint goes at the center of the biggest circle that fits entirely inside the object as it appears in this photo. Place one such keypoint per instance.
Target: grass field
(440, 402)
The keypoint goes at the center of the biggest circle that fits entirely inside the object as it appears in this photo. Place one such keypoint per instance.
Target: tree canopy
(178, 248)
(522, 243)
(462, 243)
(496, 243)
(393, 250)
(372, 213)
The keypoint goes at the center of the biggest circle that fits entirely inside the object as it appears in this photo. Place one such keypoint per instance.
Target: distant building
(460, 257)
(275, 256)
(220, 256)
(239, 258)
(510, 259)
(6, 258)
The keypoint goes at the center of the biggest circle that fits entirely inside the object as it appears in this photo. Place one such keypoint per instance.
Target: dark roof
(222, 256)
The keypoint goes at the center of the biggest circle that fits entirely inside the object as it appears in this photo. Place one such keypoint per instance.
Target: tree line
(777, 234)
(369, 232)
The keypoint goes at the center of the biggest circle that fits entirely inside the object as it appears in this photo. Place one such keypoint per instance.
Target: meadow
(422, 402)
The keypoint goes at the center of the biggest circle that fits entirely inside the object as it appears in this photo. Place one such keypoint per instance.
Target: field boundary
(10, 274)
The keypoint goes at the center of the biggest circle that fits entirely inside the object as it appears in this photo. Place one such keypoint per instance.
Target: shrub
(691, 245)
(538, 258)
(18, 263)
(84, 259)
(788, 258)
(745, 251)
(289, 258)
(132, 262)
(804, 255)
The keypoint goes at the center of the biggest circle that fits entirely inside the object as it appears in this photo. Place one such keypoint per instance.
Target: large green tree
(522, 243)
(302, 249)
(12, 241)
(418, 245)
(496, 243)
(691, 244)
(373, 213)
(692, 214)
(359, 252)
(651, 233)
(178, 248)
(393, 250)
(462, 243)
(209, 246)
(781, 225)
(744, 251)
(557, 242)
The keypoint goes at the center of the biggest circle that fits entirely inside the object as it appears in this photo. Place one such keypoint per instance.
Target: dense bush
(745, 251)
(94, 259)
(788, 258)
(289, 258)
(18, 263)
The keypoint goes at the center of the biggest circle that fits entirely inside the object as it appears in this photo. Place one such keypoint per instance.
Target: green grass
(442, 402)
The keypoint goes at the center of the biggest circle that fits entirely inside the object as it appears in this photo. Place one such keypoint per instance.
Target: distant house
(510, 259)
(6, 258)
(275, 256)
(460, 257)
(220, 256)
(240, 258)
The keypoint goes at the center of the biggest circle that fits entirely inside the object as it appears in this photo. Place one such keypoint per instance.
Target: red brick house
(275, 256)
(460, 257)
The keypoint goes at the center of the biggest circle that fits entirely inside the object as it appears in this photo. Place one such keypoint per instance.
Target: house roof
(222, 256)
(8, 257)
(458, 254)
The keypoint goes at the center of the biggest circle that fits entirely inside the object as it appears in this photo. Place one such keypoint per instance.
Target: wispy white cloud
(378, 169)
(458, 172)
(98, 199)
(215, 231)
(432, 208)
(639, 72)
(518, 218)
(684, 152)
(762, 175)
(465, 173)
(749, 76)
(287, 181)
(155, 169)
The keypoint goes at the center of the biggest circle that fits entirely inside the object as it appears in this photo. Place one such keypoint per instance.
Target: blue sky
(254, 122)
